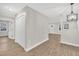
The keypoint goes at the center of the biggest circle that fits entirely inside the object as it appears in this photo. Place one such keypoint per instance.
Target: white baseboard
(16, 41)
(19, 44)
(54, 33)
(11, 38)
(28, 49)
(68, 43)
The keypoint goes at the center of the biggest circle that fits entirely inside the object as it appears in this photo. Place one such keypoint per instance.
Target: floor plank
(50, 48)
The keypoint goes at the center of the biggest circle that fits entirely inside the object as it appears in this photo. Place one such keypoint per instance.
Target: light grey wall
(11, 33)
(4, 18)
(31, 30)
(37, 28)
(54, 29)
(11, 26)
(20, 30)
(71, 35)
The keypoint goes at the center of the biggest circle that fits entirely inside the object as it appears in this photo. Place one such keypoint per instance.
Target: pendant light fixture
(72, 16)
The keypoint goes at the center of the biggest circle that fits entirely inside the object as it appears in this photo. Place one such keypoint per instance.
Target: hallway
(49, 48)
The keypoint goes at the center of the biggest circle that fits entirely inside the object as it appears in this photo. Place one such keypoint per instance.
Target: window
(2, 27)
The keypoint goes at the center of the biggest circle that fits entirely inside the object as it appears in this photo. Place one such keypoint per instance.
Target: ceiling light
(73, 16)
(10, 9)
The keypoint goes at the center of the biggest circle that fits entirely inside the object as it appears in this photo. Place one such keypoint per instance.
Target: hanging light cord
(71, 7)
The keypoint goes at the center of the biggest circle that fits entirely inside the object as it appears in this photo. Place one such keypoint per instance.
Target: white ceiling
(55, 11)
(49, 9)
(10, 9)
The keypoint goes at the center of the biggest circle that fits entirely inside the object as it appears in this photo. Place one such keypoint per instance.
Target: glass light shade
(72, 17)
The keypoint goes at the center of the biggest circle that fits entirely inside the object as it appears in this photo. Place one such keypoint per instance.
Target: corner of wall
(29, 49)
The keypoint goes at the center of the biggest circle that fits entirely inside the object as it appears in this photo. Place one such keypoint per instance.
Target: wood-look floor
(50, 48)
